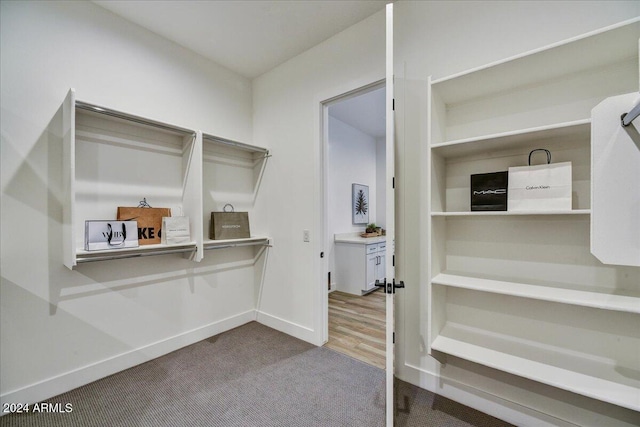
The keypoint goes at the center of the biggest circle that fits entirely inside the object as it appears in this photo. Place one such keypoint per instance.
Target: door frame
(324, 239)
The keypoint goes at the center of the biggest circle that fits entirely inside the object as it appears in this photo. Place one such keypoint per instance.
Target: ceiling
(364, 112)
(248, 37)
(252, 37)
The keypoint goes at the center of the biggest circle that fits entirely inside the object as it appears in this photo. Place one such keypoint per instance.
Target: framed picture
(360, 203)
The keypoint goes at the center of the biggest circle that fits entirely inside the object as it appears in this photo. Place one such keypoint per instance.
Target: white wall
(381, 182)
(351, 159)
(113, 315)
(61, 328)
(440, 39)
(287, 119)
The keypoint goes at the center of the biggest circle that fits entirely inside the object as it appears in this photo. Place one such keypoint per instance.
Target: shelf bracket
(627, 118)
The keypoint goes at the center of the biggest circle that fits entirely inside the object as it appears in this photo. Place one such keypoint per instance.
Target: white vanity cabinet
(359, 263)
(375, 264)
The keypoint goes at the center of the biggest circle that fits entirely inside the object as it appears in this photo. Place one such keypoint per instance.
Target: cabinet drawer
(382, 247)
(372, 249)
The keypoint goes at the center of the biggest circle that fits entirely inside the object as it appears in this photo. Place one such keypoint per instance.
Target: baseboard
(295, 330)
(496, 406)
(62, 383)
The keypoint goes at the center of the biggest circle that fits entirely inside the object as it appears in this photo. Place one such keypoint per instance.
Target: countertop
(355, 238)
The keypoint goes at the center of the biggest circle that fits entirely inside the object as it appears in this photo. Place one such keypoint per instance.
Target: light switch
(305, 235)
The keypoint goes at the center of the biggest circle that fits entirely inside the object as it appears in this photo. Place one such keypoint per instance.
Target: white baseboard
(295, 330)
(480, 400)
(68, 381)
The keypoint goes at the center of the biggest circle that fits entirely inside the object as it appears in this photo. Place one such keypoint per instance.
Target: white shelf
(585, 375)
(146, 250)
(525, 295)
(608, 45)
(152, 159)
(606, 301)
(228, 243)
(508, 213)
(576, 130)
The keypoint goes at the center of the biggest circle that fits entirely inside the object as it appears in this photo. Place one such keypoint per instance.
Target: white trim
(323, 100)
(290, 328)
(70, 380)
(480, 400)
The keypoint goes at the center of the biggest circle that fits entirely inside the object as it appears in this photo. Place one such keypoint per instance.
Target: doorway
(355, 170)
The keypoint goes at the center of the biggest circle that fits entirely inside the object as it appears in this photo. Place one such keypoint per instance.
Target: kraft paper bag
(545, 187)
(149, 222)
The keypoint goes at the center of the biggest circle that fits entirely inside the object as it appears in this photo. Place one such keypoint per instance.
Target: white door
(390, 180)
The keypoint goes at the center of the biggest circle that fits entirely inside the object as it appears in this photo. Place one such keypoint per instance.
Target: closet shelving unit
(112, 158)
(521, 292)
(223, 157)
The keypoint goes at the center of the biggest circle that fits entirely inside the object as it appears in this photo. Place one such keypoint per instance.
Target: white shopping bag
(545, 187)
(99, 235)
(175, 230)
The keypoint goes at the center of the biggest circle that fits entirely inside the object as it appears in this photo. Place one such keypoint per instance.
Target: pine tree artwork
(360, 203)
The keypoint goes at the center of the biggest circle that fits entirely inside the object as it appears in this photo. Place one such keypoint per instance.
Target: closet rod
(235, 144)
(234, 245)
(134, 255)
(132, 118)
(627, 118)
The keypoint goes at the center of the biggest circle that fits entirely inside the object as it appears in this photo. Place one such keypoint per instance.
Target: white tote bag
(175, 230)
(545, 187)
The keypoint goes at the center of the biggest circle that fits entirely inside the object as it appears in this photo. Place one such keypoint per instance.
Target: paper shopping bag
(229, 224)
(149, 222)
(100, 235)
(175, 230)
(545, 187)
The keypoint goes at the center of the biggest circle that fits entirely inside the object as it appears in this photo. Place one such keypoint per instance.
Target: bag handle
(110, 235)
(541, 149)
(143, 203)
(224, 209)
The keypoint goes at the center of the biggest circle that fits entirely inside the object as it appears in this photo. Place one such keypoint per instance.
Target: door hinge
(393, 104)
(393, 182)
(394, 337)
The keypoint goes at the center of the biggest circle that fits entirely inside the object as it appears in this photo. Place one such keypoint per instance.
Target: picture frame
(360, 203)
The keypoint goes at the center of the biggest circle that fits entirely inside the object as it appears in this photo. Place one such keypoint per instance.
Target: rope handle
(224, 209)
(143, 203)
(541, 149)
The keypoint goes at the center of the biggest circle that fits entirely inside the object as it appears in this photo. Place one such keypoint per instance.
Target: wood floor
(357, 326)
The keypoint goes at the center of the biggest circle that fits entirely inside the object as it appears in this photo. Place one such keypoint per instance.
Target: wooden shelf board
(579, 129)
(511, 213)
(601, 300)
(564, 378)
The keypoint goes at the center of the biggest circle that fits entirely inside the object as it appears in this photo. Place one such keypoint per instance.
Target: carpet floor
(249, 376)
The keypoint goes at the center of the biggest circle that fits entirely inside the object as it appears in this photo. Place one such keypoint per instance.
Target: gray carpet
(416, 407)
(249, 376)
